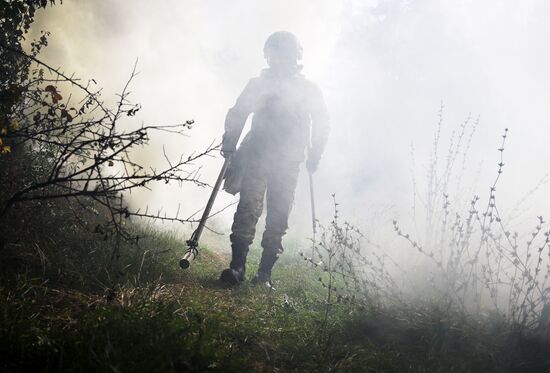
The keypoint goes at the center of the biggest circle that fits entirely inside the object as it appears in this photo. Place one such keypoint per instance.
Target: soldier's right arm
(237, 115)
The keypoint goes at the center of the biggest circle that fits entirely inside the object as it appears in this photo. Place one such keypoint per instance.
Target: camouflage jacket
(289, 116)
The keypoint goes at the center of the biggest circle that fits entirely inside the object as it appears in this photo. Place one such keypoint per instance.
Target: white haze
(384, 67)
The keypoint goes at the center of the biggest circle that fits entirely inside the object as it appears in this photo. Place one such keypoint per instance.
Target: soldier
(289, 116)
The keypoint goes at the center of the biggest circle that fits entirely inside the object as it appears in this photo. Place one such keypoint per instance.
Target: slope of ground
(171, 320)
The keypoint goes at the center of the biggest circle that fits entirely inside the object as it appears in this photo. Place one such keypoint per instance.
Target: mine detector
(231, 171)
(193, 241)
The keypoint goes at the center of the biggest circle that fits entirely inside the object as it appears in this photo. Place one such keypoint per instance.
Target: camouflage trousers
(276, 180)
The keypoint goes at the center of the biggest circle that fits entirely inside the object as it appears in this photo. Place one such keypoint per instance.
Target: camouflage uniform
(279, 179)
(289, 116)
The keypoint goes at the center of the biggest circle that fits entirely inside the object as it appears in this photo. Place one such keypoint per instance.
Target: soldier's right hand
(312, 164)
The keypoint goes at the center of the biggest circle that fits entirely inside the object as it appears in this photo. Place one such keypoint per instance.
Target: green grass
(161, 318)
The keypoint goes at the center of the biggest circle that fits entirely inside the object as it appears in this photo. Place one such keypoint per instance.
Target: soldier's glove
(228, 146)
(312, 164)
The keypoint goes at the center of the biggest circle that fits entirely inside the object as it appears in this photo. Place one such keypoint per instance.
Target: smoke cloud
(385, 67)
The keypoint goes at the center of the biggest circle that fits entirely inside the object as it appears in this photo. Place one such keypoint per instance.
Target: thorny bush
(475, 261)
(353, 269)
(61, 143)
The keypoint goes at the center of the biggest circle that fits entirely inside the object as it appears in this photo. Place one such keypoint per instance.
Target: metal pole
(313, 219)
(193, 241)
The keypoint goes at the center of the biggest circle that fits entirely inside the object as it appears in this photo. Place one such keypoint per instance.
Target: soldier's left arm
(320, 127)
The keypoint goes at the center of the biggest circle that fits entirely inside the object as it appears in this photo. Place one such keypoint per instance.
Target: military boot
(263, 277)
(237, 268)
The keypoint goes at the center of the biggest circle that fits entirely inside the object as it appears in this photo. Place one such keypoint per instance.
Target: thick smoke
(385, 67)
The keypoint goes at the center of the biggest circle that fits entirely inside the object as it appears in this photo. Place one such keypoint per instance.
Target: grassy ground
(166, 319)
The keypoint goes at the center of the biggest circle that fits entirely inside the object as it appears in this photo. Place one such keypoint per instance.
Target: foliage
(87, 154)
(475, 261)
(16, 17)
(67, 305)
(351, 273)
(192, 323)
(67, 157)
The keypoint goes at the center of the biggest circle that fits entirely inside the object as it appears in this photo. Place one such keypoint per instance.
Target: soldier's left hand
(312, 165)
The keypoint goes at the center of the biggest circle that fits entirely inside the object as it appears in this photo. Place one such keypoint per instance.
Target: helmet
(284, 44)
